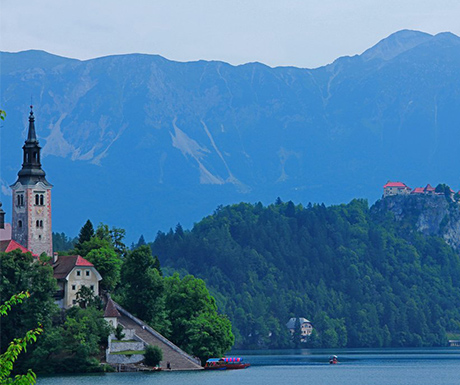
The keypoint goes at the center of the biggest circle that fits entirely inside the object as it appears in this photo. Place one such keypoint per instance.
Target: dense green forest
(362, 278)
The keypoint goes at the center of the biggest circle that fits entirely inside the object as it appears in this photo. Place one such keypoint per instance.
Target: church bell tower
(31, 221)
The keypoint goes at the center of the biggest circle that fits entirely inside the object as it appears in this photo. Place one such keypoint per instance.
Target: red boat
(225, 363)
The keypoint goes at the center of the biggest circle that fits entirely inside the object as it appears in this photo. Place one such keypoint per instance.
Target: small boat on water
(225, 363)
(333, 360)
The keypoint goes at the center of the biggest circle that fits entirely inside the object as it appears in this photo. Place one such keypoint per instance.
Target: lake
(356, 367)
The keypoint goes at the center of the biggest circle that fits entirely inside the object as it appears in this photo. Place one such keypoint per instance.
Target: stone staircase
(177, 358)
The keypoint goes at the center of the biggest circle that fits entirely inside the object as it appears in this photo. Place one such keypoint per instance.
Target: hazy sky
(286, 32)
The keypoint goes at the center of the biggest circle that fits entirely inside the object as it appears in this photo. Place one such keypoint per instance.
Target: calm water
(357, 367)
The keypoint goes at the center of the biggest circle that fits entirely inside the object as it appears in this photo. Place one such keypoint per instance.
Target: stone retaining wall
(126, 345)
(124, 359)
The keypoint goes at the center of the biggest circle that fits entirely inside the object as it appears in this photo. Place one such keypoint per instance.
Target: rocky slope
(430, 214)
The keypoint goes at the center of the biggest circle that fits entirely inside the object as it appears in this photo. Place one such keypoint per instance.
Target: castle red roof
(395, 184)
(418, 190)
(429, 188)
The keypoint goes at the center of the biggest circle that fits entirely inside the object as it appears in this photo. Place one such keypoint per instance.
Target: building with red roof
(72, 272)
(10, 245)
(418, 190)
(111, 314)
(7, 244)
(395, 188)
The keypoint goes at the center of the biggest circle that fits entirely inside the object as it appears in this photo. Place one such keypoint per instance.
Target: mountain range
(141, 142)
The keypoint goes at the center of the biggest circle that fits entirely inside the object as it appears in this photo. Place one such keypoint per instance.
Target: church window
(41, 224)
(78, 273)
(92, 287)
(87, 273)
(35, 156)
(42, 200)
(74, 287)
(27, 157)
(37, 223)
(19, 223)
(40, 237)
(20, 200)
(37, 199)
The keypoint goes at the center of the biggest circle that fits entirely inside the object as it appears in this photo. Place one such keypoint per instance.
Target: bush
(119, 335)
(153, 355)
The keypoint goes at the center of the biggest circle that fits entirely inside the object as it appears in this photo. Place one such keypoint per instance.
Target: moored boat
(225, 363)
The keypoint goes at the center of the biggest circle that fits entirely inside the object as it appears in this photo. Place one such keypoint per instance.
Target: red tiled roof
(395, 184)
(418, 190)
(111, 310)
(429, 188)
(66, 263)
(10, 245)
(82, 262)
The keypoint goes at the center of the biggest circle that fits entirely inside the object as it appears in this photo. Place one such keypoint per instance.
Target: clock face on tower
(39, 210)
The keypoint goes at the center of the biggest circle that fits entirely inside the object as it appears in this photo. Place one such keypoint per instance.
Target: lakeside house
(306, 327)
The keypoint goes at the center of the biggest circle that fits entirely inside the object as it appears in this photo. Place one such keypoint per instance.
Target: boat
(333, 360)
(225, 363)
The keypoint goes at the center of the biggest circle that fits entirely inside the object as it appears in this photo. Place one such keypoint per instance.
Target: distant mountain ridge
(142, 142)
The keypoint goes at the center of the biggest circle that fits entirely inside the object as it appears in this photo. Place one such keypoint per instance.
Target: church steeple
(31, 136)
(31, 219)
(31, 171)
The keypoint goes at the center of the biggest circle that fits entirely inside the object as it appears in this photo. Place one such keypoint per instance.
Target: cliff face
(430, 215)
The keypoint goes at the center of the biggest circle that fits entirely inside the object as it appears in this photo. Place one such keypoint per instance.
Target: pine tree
(86, 233)
(141, 241)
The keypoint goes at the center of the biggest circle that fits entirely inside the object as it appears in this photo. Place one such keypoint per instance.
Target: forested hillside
(362, 278)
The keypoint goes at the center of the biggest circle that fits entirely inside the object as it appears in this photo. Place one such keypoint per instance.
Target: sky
(278, 33)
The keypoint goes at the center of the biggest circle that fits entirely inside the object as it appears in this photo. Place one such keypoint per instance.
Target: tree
(142, 288)
(114, 237)
(208, 335)
(108, 264)
(85, 298)
(86, 233)
(20, 273)
(153, 355)
(119, 335)
(141, 241)
(94, 243)
(196, 325)
(15, 347)
(74, 344)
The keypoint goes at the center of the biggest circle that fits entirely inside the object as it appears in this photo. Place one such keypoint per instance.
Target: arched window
(41, 224)
(35, 156)
(37, 199)
(42, 200)
(19, 223)
(22, 199)
(27, 158)
(37, 223)
(19, 200)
